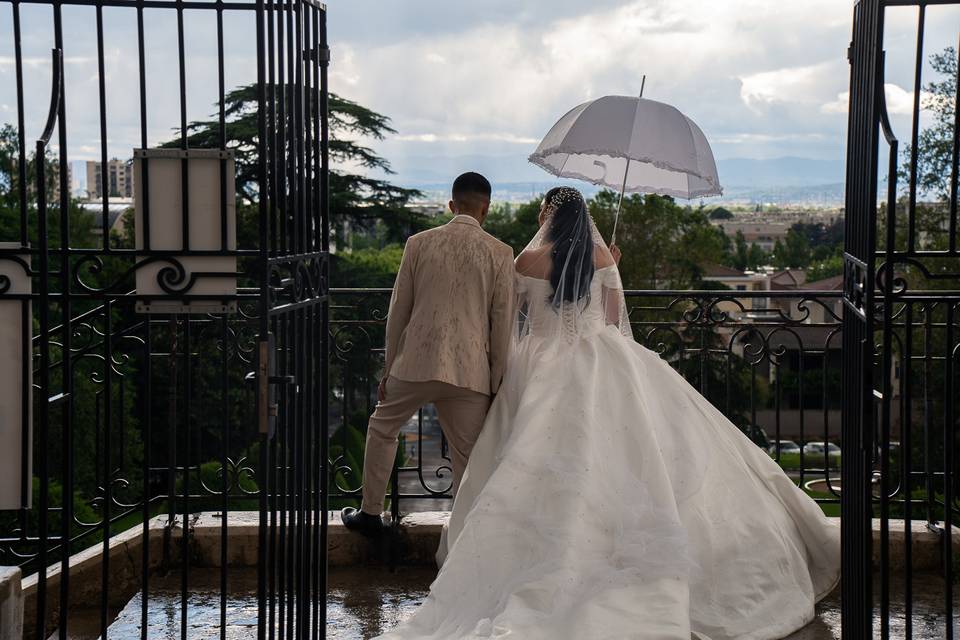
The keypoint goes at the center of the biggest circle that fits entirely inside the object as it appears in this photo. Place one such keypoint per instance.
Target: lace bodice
(541, 319)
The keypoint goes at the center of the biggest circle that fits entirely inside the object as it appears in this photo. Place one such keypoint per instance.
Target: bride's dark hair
(572, 252)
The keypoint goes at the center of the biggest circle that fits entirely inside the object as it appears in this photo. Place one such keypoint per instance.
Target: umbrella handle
(616, 218)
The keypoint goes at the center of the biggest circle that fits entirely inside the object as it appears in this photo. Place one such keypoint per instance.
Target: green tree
(825, 240)
(81, 222)
(740, 255)
(935, 143)
(368, 267)
(793, 252)
(832, 266)
(720, 213)
(757, 257)
(357, 202)
(514, 225)
(662, 242)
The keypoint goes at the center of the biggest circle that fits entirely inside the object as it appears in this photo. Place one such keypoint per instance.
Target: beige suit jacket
(452, 308)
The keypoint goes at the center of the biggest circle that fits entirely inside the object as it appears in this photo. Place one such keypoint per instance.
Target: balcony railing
(769, 360)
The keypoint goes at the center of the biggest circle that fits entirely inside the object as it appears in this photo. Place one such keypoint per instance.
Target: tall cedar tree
(357, 202)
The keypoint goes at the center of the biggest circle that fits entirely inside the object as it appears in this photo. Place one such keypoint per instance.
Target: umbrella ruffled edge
(538, 158)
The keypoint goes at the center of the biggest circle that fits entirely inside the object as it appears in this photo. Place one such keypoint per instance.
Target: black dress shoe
(361, 522)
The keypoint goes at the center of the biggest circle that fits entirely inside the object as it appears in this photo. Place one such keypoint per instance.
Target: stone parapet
(11, 604)
(414, 543)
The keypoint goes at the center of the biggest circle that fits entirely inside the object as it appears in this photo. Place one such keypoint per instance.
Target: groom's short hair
(469, 185)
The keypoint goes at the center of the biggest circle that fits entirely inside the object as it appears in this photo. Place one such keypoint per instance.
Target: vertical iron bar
(66, 321)
(21, 130)
(224, 363)
(324, 173)
(66, 359)
(906, 456)
(281, 133)
(949, 444)
(144, 164)
(184, 136)
(265, 614)
(186, 466)
(107, 468)
(887, 388)
(955, 167)
(222, 128)
(915, 133)
(56, 102)
(270, 147)
(44, 403)
(224, 469)
(147, 417)
(104, 168)
(928, 466)
(858, 324)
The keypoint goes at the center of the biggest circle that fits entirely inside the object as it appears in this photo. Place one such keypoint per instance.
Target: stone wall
(11, 604)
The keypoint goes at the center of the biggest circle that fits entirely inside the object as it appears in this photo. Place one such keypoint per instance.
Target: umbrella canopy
(631, 145)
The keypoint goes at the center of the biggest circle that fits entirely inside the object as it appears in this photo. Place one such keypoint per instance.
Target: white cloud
(465, 137)
(899, 101)
(761, 78)
(744, 70)
(36, 61)
(788, 85)
(763, 138)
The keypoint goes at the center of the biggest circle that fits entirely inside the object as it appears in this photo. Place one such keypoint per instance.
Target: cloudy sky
(477, 84)
(763, 79)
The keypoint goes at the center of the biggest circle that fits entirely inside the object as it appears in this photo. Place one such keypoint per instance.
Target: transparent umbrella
(634, 145)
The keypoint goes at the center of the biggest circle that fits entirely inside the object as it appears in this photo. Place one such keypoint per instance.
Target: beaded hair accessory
(561, 197)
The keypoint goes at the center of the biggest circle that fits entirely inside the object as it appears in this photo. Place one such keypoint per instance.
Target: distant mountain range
(783, 180)
(780, 172)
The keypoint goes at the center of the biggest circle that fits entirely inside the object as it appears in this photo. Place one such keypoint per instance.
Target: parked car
(818, 448)
(786, 446)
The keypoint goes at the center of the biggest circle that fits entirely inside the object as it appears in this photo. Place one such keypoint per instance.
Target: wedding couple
(598, 496)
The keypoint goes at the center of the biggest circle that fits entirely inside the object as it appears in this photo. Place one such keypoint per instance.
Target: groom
(448, 334)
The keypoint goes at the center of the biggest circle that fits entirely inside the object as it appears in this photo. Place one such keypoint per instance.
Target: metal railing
(769, 360)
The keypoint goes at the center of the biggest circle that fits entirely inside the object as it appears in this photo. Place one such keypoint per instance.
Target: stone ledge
(11, 604)
(415, 543)
(925, 548)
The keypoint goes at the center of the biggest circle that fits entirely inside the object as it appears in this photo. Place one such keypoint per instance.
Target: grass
(830, 509)
(791, 461)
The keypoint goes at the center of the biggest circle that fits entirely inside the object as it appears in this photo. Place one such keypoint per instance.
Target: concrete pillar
(11, 604)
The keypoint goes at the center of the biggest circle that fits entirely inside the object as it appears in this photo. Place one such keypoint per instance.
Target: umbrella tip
(643, 83)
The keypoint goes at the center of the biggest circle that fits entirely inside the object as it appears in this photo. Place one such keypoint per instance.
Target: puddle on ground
(365, 602)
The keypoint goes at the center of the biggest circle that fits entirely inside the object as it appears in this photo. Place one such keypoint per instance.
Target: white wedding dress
(607, 499)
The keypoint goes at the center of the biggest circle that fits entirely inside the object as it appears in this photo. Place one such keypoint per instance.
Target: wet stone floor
(366, 602)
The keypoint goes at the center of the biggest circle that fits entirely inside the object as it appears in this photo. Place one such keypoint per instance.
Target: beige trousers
(461, 412)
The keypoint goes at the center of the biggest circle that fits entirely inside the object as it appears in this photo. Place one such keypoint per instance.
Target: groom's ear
(452, 208)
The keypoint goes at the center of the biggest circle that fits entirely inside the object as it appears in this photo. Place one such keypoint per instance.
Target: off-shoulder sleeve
(611, 278)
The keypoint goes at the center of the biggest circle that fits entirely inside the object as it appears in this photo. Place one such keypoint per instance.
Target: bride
(606, 498)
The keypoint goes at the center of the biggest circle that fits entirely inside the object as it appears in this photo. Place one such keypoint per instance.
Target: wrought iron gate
(166, 354)
(900, 331)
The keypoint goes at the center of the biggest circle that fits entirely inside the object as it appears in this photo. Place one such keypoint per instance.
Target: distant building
(809, 345)
(763, 234)
(429, 208)
(115, 221)
(119, 179)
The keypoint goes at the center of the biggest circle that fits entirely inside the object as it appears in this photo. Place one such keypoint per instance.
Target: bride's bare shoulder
(535, 263)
